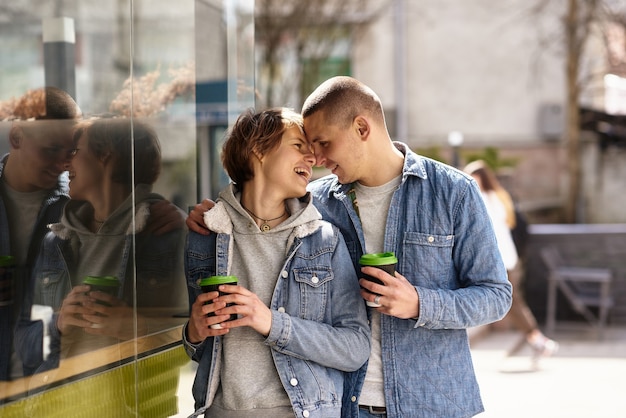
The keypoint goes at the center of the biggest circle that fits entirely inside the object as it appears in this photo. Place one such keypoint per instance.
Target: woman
(301, 320)
(102, 232)
(502, 213)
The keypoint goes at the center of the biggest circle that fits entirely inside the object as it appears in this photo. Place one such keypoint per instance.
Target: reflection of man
(33, 191)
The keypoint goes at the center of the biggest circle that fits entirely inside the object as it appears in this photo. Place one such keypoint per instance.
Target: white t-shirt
(373, 204)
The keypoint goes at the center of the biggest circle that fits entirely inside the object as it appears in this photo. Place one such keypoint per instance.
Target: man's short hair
(341, 99)
(46, 103)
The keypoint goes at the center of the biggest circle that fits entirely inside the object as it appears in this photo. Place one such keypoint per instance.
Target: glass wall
(112, 114)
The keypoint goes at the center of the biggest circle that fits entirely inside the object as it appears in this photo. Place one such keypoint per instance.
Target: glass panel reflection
(102, 140)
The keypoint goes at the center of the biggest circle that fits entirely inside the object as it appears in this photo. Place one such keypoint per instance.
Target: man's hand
(165, 217)
(397, 298)
(195, 220)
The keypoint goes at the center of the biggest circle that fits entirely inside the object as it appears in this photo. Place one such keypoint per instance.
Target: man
(449, 277)
(33, 191)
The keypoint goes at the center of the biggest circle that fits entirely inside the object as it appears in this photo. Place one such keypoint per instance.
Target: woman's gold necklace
(265, 222)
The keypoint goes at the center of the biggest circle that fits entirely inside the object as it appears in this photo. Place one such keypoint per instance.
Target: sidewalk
(586, 378)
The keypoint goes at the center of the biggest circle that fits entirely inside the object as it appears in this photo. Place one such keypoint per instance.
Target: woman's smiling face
(86, 170)
(289, 166)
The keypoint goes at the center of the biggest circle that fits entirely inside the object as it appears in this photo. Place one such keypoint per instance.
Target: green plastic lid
(7, 260)
(213, 280)
(378, 259)
(102, 281)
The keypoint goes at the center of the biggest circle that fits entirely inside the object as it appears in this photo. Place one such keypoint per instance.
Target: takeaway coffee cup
(106, 284)
(211, 284)
(7, 266)
(384, 261)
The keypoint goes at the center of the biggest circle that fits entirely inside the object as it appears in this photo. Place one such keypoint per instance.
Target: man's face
(43, 153)
(337, 149)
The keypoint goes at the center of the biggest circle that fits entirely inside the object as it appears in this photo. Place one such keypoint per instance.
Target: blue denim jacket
(50, 212)
(310, 357)
(155, 261)
(440, 231)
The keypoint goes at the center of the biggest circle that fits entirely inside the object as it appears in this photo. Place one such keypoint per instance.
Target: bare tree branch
(291, 34)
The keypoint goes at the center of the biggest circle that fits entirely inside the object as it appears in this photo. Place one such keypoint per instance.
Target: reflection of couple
(104, 231)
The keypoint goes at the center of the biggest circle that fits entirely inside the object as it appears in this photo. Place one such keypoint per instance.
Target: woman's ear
(258, 155)
(16, 135)
(105, 158)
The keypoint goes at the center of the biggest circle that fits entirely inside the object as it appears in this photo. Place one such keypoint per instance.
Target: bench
(583, 288)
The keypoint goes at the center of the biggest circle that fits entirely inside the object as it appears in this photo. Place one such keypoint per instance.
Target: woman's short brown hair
(255, 132)
(113, 137)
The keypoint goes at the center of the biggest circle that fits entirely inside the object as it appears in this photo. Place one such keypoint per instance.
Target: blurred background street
(586, 378)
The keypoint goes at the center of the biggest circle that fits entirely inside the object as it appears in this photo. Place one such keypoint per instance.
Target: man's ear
(16, 136)
(362, 127)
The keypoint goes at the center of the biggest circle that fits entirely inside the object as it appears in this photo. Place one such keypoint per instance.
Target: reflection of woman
(102, 233)
(301, 322)
(501, 211)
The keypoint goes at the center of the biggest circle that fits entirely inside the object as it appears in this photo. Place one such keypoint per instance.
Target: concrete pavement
(586, 378)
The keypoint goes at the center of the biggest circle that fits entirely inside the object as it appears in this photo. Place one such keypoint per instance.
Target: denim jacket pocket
(199, 264)
(51, 287)
(314, 282)
(426, 256)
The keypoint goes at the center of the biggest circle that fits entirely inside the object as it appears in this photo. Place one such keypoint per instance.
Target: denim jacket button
(293, 381)
(281, 309)
(46, 280)
(431, 239)
(314, 279)
(353, 398)
(305, 413)
(284, 274)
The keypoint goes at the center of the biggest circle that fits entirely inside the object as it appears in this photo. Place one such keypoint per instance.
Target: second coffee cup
(105, 284)
(211, 284)
(384, 261)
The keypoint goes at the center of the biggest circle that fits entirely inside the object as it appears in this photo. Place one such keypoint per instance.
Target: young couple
(301, 345)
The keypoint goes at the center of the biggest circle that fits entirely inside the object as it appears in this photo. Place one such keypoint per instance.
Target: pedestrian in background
(502, 213)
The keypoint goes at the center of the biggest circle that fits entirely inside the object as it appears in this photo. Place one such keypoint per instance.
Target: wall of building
(495, 73)
(470, 67)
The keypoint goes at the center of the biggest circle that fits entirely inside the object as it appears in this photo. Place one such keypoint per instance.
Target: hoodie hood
(228, 216)
(77, 215)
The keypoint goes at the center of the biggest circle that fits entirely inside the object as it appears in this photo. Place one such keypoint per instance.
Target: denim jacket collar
(413, 166)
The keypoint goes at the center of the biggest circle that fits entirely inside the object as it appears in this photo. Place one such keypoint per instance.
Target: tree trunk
(572, 130)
